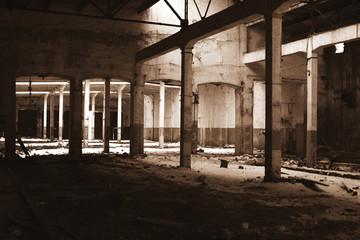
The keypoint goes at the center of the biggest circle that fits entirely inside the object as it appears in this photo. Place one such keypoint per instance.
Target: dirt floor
(150, 197)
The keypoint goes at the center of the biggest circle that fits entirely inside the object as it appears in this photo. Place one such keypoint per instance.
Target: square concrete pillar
(186, 124)
(61, 112)
(119, 112)
(312, 102)
(52, 110)
(273, 90)
(86, 112)
(7, 111)
(75, 140)
(137, 116)
(244, 103)
(45, 115)
(106, 116)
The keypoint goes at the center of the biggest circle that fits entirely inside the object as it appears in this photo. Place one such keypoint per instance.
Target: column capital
(273, 15)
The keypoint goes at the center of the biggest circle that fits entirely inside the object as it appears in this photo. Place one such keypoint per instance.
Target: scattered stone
(172, 176)
(204, 184)
(281, 228)
(245, 225)
(200, 150)
(241, 167)
(223, 163)
(201, 178)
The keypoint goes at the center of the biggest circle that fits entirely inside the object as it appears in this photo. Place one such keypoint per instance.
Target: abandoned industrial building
(178, 119)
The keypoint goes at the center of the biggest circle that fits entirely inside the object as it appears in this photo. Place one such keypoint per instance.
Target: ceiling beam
(146, 5)
(230, 17)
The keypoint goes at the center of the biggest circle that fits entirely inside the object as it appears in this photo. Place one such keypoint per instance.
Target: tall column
(195, 117)
(119, 112)
(17, 118)
(7, 111)
(45, 115)
(52, 104)
(93, 108)
(186, 107)
(312, 92)
(244, 104)
(106, 115)
(75, 140)
(61, 112)
(86, 112)
(273, 97)
(161, 114)
(137, 115)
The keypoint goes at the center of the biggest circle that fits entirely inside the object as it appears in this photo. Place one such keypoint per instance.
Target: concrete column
(244, 104)
(75, 140)
(92, 124)
(17, 118)
(186, 107)
(195, 117)
(161, 114)
(312, 95)
(119, 112)
(61, 113)
(86, 112)
(137, 115)
(273, 97)
(52, 109)
(45, 115)
(7, 110)
(106, 116)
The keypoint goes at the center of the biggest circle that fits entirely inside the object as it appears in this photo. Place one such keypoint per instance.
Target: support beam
(61, 113)
(86, 112)
(52, 116)
(221, 21)
(75, 141)
(119, 112)
(161, 114)
(273, 97)
(106, 115)
(137, 116)
(244, 104)
(312, 95)
(186, 107)
(45, 116)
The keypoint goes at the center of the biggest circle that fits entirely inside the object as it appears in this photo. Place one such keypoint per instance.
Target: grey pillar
(244, 104)
(93, 108)
(119, 112)
(106, 116)
(8, 108)
(273, 97)
(52, 109)
(75, 141)
(137, 116)
(61, 113)
(161, 114)
(186, 107)
(195, 117)
(45, 115)
(312, 92)
(86, 112)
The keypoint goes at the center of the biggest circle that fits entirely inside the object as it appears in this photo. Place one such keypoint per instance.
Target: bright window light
(339, 48)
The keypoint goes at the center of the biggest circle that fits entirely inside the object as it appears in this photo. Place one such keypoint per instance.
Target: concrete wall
(339, 98)
(172, 116)
(216, 126)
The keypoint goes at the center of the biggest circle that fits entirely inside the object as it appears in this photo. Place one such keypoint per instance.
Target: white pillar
(312, 102)
(92, 122)
(86, 112)
(161, 114)
(45, 115)
(61, 112)
(120, 89)
(52, 109)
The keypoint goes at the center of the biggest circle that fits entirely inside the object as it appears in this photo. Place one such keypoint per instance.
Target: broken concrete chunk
(201, 178)
(223, 163)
